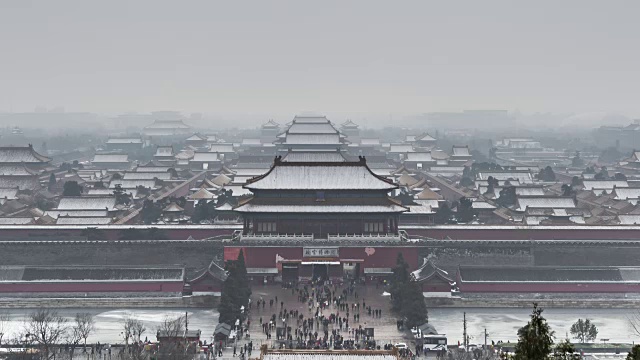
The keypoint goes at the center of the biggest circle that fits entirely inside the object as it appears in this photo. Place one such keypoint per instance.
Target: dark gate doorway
(320, 272)
(290, 273)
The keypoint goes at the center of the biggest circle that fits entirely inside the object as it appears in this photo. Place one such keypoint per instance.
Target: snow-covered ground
(109, 322)
(501, 323)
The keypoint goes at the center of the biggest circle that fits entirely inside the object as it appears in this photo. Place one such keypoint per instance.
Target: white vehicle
(401, 345)
(434, 342)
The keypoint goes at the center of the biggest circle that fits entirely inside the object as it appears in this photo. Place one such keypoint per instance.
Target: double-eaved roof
(320, 176)
(21, 154)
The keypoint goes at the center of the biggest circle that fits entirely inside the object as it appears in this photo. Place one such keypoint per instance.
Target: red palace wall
(373, 257)
(548, 288)
(461, 232)
(175, 286)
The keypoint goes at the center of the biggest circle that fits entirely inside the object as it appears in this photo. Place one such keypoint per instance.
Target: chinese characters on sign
(320, 252)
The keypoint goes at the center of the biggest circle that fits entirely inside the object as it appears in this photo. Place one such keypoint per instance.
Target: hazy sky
(288, 56)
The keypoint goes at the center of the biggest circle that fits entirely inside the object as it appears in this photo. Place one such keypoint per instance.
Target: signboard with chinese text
(331, 252)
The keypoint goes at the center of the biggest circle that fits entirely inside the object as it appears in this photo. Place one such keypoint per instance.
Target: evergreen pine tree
(535, 340)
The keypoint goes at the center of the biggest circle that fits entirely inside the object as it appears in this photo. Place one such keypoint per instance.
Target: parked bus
(434, 342)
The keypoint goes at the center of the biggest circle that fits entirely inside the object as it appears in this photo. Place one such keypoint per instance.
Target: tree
(492, 184)
(84, 325)
(406, 295)
(173, 348)
(132, 330)
(465, 211)
(567, 190)
(603, 174)
(547, 174)
(576, 181)
(47, 329)
(116, 176)
(200, 212)
(4, 325)
(52, 181)
(71, 188)
(577, 160)
(610, 155)
(584, 330)
(620, 177)
(466, 182)
(535, 339)
(565, 351)
(634, 354)
(443, 214)
(507, 196)
(235, 291)
(151, 212)
(122, 198)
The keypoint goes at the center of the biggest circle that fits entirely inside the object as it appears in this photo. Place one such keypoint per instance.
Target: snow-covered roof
(319, 208)
(64, 220)
(548, 274)
(314, 156)
(164, 151)
(312, 139)
(461, 151)
(316, 128)
(89, 273)
(16, 170)
(549, 202)
(87, 203)
(626, 193)
(251, 142)
(202, 194)
(15, 221)
(147, 176)
(221, 148)
(21, 154)
(369, 142)
(124, 141)
(522, 176)
(150, 169)
(629, 219)
(173, 207)
(401, 148)
(77, 213)
(320, 176)
(418, 157)
(132, 184)
(604, 184)
(21, 182)
(168, 124)
(206, 157)
(9, 194)
(110, 158)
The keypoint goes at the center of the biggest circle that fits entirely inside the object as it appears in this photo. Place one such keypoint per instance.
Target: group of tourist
(331, 309)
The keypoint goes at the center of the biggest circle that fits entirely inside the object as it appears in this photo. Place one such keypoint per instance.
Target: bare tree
(4, 325)
(634, 322)
(138, 330)
(175, 345)
(83, 326)
(46, 328)
(132, 330)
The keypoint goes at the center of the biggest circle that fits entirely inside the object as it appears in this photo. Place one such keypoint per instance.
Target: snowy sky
(289, 56)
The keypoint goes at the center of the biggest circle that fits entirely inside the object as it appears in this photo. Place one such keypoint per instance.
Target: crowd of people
(330, 317)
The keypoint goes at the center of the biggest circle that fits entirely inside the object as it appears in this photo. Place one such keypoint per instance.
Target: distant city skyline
(288, 56)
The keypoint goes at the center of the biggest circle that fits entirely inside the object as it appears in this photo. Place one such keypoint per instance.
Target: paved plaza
(384, 325)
